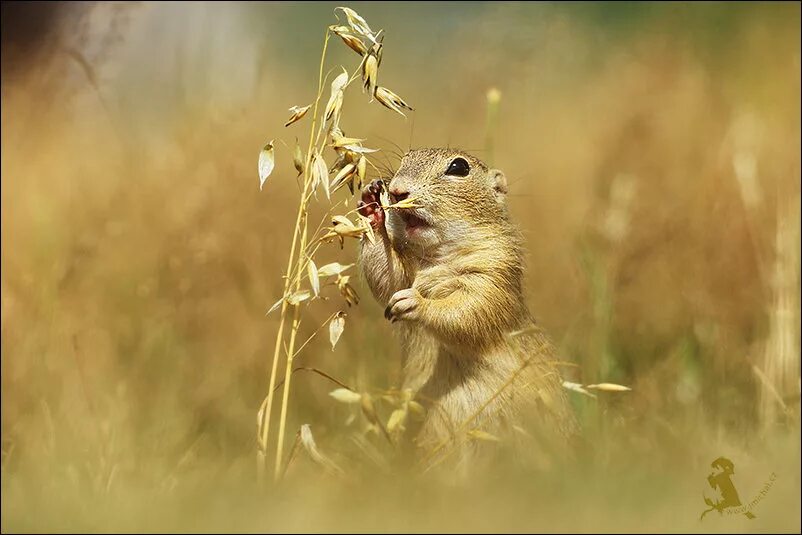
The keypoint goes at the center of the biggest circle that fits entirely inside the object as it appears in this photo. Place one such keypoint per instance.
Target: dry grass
(349, 167)
(654, 161)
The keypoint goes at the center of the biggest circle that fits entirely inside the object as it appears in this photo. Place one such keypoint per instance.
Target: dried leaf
(609, 387)
(297, 113)
(334, 268)
(336, 327)
(266, 163)
(314, 280)
(483, 435)
(343, 395)
(299, 297)
(396, 420)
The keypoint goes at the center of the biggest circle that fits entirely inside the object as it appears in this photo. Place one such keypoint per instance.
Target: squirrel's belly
(465, 390)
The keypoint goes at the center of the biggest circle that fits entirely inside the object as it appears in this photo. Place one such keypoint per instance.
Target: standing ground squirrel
(450, 273)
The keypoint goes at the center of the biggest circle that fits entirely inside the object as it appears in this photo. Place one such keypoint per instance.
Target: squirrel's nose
(397, 194)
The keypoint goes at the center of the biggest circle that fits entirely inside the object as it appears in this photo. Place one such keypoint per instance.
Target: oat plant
(332, 159)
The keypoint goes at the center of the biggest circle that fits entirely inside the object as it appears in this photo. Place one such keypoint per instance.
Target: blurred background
(653, 152)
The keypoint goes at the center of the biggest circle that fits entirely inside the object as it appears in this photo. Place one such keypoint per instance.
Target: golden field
(653, 153)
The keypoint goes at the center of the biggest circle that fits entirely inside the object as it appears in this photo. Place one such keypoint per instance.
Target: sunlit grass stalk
(300, 230)
(350, 168)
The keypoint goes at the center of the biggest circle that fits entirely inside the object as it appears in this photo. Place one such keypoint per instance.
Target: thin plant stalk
(300, 228)
(265, 424)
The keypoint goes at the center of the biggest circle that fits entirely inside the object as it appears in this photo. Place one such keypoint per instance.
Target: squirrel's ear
(499, 182)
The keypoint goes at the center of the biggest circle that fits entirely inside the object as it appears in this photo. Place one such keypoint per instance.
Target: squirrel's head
(453, 192)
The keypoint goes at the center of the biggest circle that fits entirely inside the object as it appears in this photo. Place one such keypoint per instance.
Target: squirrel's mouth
(413, 219)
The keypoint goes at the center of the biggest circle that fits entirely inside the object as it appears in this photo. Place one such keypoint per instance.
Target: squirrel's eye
(458, 167)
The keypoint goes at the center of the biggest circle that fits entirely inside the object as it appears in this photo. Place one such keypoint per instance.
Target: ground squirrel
(449, 272)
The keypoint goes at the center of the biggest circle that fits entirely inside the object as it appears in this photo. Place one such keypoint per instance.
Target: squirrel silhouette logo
(720, 481)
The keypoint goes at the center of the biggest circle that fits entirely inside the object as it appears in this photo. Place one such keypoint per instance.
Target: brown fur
(456, 288)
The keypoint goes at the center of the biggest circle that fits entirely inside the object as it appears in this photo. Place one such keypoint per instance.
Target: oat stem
(300, 229)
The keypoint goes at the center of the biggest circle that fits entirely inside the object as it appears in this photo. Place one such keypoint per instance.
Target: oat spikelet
(335, 268)
(340, 141)
(297, 114)
(357, 23)
(335, 103)
(354, 43)
(576, 387)
(314, 279)
(298, 159)
(370, 72)
(361, 170)
(320, 174)
(343, 395)
(392, 101)
(336, 328)
(299, 297)
(396, 420)
(267, 162)
(345, 176)
(609, 387)
(347, 291)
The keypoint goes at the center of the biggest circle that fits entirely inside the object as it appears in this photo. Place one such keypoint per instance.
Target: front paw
(404, 305)
(370, 204)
